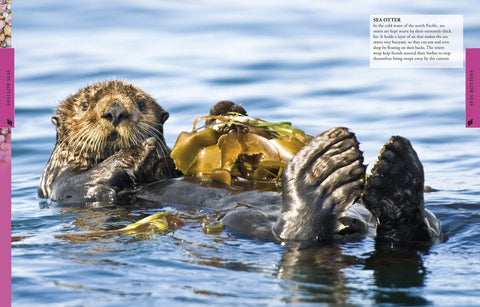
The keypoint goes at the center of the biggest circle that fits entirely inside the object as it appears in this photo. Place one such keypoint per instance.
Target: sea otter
(98, 152)
(110, 149)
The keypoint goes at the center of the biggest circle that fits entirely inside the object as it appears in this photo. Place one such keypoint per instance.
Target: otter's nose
(115, 113)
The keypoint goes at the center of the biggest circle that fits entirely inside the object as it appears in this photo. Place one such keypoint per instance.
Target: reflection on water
(396, 271)
(304, 62)
(318, 273)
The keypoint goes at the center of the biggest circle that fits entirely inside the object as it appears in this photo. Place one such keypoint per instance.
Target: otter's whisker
(153, 132)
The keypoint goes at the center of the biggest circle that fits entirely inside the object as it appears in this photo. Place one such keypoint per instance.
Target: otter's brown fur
(97, 122)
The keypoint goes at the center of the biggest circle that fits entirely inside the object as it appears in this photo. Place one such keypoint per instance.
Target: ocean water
(301, 61)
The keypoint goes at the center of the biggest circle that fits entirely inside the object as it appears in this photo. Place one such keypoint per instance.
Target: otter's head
(105, 117)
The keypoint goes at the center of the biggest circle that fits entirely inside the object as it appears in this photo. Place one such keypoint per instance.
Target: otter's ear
(164, 116)
(55, 121)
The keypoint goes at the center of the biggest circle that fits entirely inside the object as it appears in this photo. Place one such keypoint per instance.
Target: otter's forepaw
(394, 193)
(142, 163)
(118, 172)
(226, 106)
(223, 107)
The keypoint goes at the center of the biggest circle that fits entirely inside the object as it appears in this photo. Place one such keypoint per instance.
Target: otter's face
(106, 117)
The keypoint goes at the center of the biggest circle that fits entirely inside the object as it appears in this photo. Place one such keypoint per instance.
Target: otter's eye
(84, 106)
(141, 105)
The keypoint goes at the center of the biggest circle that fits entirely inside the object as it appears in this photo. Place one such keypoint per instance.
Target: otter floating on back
(110, 149)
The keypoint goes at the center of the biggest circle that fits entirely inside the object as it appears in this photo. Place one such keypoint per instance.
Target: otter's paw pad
(394, 193)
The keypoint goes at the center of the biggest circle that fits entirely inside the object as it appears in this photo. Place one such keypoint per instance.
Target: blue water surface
(301, 61)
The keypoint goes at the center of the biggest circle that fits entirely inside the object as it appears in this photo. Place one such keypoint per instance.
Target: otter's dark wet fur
(110, 148)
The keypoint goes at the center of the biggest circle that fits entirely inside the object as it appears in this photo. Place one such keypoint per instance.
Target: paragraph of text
(416, 41)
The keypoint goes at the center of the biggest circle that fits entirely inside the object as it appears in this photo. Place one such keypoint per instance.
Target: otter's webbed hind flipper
(319, 184)
(394, 193)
